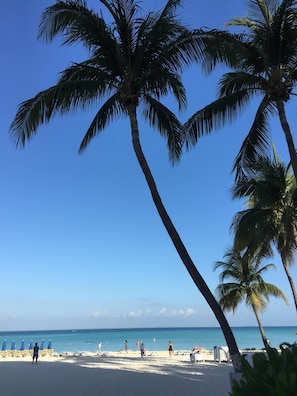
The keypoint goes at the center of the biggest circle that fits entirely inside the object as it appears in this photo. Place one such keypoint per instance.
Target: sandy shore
(114, 374)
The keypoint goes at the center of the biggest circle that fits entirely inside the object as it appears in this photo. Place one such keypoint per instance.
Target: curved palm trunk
(263, 335)
(186, 259)
(291, 282)
(288, 135)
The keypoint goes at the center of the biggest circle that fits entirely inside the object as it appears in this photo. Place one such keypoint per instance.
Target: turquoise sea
(155, 339)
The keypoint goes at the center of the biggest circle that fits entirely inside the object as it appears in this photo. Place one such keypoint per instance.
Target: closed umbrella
(31, 346)
(42, 345)
(49, 345)
(4, 345)
(22, 347)
(12, 346)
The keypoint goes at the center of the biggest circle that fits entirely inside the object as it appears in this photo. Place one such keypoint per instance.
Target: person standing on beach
(142, 350)
(35, 352)
(138, 345)
(99, 347)
(170, 348)
(126, 346)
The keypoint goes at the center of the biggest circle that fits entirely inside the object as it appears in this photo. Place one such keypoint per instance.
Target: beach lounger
(181, 353)
(197, 356)
(25, 352)
(17, 353)
(152, 353)
(221, 354)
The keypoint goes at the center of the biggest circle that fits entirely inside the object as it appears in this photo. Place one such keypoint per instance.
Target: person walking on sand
(126, 346)
(35, 352)
(170, 348)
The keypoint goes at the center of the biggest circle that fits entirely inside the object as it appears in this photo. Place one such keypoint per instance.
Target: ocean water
(155, 339)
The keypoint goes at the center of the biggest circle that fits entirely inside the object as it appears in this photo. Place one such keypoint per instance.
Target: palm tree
(263, 63)
(244, 271)
(271, 217)
(133, 63)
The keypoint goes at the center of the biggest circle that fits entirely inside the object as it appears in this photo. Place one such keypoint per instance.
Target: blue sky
(82, 245)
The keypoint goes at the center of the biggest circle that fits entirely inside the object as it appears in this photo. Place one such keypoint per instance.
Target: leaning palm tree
(133, 63)
(244, 270)
(263, 63)
(271, 217)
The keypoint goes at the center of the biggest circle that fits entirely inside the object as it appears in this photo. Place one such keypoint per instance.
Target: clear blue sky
(81, 244)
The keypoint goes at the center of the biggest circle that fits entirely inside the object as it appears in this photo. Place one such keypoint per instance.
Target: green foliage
(274, 373)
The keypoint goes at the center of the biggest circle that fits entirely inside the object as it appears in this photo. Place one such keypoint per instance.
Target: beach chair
(151, 353)
(25, 353)
(221, 354)
(197, 356)
(177, 353)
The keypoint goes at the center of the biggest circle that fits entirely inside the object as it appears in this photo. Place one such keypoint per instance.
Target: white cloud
(148, 313)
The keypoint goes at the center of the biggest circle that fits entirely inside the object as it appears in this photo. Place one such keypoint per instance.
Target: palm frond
(76, 23)
(256, 142)
(186, 48)
(73, 19)
(261, 12)
(61, 98)
(220, 46)
(160, 83)
(109, 111)
(30, 114)
(105, 77)
(167, 42)
(126, 22)
(68, 95)
(239, 81)
(229, 296)
(214, 116)
(166, 122)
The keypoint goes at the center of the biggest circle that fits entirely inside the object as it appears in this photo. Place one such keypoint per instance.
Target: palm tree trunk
(263, 335)
(291, 282)
(181, 250)
(289, 138)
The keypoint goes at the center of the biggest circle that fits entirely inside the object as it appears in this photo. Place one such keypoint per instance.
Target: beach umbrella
(4, 345)
(31, 345)
(22, 347)
(12, 346)
(49, 344)
(42, 345)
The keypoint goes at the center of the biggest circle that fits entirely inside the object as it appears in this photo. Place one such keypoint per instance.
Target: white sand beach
(114, 374)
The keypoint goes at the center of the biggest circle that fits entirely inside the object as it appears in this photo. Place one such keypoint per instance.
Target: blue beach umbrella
(22, 347)
(31, 345)
(4, 345)
(12, 346)
(42, 345)
(49, 344)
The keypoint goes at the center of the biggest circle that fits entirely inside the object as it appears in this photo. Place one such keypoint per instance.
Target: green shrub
(274, 373)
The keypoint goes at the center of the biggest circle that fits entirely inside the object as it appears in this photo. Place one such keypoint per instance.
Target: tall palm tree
(263, 63)
(244, 270)
(133, 63)
(271, 217)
